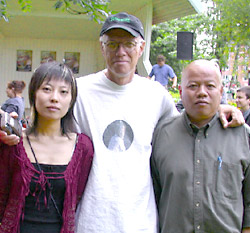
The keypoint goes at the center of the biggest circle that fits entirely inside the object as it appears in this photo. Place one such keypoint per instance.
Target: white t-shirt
(119, 196)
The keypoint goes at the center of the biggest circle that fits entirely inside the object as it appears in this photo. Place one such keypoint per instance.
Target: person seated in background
(15, 104)
(201, 171)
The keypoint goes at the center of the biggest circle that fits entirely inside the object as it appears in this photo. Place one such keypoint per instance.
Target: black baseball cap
(124, 21)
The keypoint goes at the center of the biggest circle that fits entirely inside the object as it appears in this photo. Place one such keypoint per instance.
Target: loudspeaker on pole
(185, 45)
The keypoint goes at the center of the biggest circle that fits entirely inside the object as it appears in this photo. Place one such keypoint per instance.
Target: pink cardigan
(16, 172)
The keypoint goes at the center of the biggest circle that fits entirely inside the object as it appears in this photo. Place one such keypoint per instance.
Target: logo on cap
(124, 21)
(120, 20)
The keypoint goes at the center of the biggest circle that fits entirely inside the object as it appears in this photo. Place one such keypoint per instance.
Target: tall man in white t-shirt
(119, 111)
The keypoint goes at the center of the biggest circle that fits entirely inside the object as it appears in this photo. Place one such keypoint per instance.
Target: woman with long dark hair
(43, 177)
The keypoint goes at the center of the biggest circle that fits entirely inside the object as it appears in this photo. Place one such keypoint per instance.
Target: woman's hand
(230, 116)
(14, 115)
(10, 140)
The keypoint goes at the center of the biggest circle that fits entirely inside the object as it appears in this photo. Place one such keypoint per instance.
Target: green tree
(164, 37)
(97, 10)
(222, 29)
(231, 32)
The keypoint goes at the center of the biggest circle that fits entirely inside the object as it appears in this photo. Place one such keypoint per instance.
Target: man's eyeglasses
(127, 45)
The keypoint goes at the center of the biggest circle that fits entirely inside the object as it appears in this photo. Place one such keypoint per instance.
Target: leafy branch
(96, 10)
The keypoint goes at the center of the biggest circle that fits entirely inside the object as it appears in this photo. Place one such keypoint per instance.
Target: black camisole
(40, 217)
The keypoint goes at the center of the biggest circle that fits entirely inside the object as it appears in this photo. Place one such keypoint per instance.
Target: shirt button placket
(197, 185)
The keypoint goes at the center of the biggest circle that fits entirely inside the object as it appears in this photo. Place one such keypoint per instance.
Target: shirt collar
(194, 130)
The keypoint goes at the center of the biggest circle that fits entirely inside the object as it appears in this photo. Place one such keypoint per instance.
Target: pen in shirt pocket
(220, 162)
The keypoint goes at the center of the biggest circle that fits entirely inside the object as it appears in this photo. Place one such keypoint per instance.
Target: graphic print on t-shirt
(118, 136)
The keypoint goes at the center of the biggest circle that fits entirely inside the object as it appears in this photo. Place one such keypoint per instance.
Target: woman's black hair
(46, 72)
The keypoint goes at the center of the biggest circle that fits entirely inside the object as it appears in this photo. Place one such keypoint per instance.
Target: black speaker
(185, 45)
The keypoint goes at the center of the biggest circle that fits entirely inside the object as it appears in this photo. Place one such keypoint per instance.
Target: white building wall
(90, 58)
(145, 14)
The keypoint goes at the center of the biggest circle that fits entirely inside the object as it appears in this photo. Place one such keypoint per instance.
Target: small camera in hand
(9, 124)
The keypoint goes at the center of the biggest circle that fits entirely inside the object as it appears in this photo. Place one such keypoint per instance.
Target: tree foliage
(224, 28)
(97, 10)
(164, 37)
(231, 32)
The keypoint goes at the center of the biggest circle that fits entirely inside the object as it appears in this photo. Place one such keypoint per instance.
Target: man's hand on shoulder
(174, 86)
(14, 115)
(230, 116)
(246, 230)
(10, 140)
